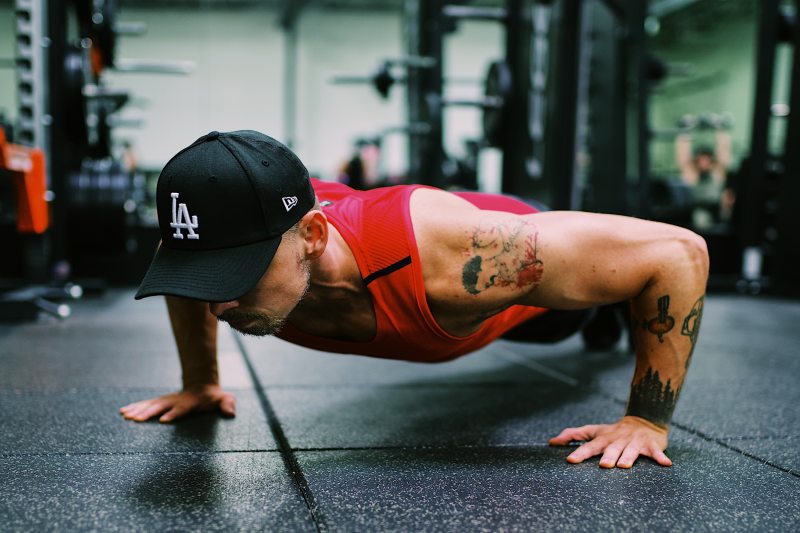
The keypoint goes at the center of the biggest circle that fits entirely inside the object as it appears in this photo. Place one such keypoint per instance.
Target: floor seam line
(287, 453)
(425, 447)
(109, 454)
(310, 449)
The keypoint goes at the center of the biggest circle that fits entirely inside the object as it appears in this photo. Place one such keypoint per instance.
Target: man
(408, 272)
(705, 170)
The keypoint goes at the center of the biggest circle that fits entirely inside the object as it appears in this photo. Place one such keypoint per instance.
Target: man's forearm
(666, 319)
(195, 330)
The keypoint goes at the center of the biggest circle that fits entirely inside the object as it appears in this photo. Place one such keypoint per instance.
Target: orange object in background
(27, 168)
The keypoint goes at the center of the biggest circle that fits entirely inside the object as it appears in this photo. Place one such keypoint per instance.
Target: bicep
(593, 259)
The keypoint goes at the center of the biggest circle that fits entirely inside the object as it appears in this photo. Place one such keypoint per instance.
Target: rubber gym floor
(327, 442)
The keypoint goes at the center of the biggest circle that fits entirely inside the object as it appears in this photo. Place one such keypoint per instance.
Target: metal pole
(290, 84)
(752, 193)
(64, 152)
(475, 13)
(31, 69)
(787, 247)
(608, 119)
(33, 89)
(560, 175)
(424, 33)
(637, 11)
(527, 55)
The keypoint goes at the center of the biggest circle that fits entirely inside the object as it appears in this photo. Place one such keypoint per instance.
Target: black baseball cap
(223, 204)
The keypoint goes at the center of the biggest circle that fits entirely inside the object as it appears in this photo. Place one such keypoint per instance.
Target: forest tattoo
(652, 400)
(502, 255)
(663, 323)
(691, 325)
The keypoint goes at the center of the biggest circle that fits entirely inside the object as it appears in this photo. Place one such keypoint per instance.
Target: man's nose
(217, 308)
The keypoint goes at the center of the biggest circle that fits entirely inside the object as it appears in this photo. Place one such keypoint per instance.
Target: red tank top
(377, 227)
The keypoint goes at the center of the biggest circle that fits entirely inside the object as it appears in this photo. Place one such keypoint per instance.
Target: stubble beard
(259, 324)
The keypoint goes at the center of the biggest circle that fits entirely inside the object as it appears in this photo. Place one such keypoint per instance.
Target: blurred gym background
(672, 110)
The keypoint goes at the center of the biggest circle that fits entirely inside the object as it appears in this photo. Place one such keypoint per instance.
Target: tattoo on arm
(502, 255)
(663, 323)
(653, 400)
(650, 397)
(691, 325)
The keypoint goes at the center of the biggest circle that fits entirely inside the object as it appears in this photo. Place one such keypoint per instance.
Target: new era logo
(289, 202)
(182, 220)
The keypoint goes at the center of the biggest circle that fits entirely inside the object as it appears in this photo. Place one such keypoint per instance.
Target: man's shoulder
(334, 190)
(429, 205)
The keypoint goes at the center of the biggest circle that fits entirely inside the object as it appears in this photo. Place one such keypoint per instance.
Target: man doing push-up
(410, 272)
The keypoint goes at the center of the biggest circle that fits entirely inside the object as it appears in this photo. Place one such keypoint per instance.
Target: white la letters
(182, 220)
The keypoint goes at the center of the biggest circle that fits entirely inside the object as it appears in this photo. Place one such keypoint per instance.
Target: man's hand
(621, 443)
(178, 404)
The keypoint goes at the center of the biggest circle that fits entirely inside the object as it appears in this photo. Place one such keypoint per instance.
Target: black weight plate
(73, 101)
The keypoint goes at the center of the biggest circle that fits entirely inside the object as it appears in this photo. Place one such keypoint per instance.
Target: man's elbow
(693, 253)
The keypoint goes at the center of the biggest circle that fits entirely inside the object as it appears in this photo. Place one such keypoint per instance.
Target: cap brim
(210, 275)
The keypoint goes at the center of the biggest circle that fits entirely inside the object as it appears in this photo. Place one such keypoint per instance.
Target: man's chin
(252, 332)
(255, 331)
(256, 326)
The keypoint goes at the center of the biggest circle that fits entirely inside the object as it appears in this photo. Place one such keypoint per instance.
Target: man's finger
(629, 456)
(131, 406)
(136, 409)
(660, 457)
(228, 405)
(590, 449)
(156, 408)
(582, 433)
(611, 454)
(177, 411)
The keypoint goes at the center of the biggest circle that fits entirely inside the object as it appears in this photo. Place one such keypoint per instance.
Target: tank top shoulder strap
(374, 223)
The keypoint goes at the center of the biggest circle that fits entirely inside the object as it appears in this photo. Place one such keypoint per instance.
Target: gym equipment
(385, 77)
(463, 12)
(564, 58)
(154, 66)
(101, 183)
(31, 68)
(103, 33)
(26, 303)
(700, 122)
(499, 85)
(770, 242)
(705, 121)
(77, 74)
(26, 167)
(65, 109)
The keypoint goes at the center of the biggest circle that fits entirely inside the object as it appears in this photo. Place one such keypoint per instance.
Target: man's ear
(313, 230)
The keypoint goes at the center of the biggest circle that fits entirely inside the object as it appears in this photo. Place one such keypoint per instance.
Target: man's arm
(685, 159)
(722, 151)
(571, 260)
(195, 331)
(589, 259)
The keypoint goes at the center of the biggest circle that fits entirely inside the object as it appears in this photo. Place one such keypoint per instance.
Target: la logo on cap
(289, 202)
(182, 220)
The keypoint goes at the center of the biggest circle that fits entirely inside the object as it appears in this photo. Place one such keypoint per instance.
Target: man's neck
(333, 276)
